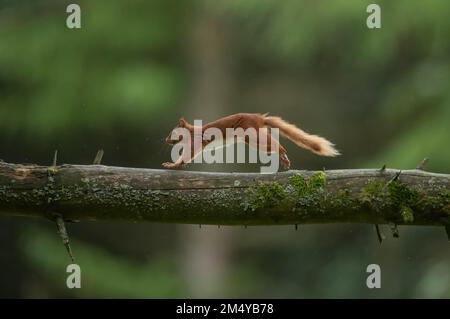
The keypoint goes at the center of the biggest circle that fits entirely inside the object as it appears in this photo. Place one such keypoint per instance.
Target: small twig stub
(422, 164)
(379, 234)
(55, 158)
(63, 234)
(395, 178)
(98, 157)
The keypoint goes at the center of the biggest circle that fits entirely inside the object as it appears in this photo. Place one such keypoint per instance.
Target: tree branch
(97, 192)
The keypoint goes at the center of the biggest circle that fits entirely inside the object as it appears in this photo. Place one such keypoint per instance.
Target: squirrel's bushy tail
(314, 143)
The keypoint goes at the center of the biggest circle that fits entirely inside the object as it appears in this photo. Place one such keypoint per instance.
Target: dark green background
(121, 82)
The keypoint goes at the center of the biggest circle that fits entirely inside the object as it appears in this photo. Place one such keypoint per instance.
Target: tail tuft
(314, 143)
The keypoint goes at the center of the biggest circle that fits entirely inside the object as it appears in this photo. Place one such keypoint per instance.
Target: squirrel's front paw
(168, 165)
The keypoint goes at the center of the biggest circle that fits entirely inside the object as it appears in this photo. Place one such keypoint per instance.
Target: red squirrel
(313, 143)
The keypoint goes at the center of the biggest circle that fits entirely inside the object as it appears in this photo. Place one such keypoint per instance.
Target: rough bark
(97, 192)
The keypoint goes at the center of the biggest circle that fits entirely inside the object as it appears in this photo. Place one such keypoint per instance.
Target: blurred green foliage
(102, 273)
(113, 69)
(122, 81)
(406, 63)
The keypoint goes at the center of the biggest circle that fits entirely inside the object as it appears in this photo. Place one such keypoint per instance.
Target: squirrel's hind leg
(285, 160)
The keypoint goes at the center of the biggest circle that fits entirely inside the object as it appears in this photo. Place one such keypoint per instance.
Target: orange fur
(314, 143)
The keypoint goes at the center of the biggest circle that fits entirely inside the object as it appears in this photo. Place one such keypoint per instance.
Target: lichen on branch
(97, 192)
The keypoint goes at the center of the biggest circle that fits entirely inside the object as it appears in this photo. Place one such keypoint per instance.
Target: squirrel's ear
(182, 122)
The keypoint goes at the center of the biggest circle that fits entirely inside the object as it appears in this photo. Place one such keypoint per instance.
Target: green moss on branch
(101, 192)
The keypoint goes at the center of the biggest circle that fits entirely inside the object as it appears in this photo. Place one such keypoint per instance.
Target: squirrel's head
(176, 135)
